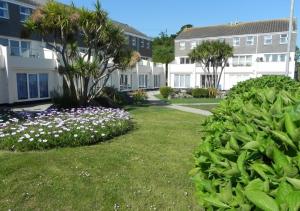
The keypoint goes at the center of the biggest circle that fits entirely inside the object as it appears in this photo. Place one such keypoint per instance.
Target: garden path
(155, 101)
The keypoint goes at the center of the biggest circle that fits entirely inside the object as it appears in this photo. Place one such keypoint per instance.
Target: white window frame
(236, 41)
(285, 37)
(250, 40)
(182, 45)
(133, 41)
(193, 44)
(148, 44)
(125, 81)
(27, 15)
(142, 43)
(145, 80)
(5, 9)
(272, 56)
(182, 78)
(242, 61)
(268, 40)
(156, 82)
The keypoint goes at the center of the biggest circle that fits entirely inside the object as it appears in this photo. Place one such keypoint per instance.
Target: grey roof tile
(267, 26)
(130, 29)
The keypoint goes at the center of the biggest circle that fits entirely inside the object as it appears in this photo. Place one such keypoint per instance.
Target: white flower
(27, 135)
(45, 140)
(31, 139)
(75, 135)
(56, 135)
(103, 134)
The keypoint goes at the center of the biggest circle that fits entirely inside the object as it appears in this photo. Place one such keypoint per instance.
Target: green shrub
(249, 157)
(278, 82)
(200, 93)
(64, 100)
(139, 96)
(166, 91)
(114, 97)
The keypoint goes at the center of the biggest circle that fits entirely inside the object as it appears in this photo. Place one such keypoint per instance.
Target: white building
(28, 69)
(260, 48)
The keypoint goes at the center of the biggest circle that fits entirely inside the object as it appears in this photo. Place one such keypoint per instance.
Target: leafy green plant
(166, 91)
(200, 93)
(249, 157)
(276, 81)
(139, 96)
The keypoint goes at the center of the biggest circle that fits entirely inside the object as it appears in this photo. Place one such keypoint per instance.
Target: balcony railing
(26, 52)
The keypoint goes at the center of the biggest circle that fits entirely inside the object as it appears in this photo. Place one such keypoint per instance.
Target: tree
(163, 50)
(184, 27)
(213, 57)
(85, 73)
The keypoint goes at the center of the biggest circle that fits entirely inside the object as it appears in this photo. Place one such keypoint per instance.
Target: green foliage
(166, 91)
(249, 156)
(272, 81)
(213, 57)
(163, 49)
(111, 97)
(200, 93)
(139, 96)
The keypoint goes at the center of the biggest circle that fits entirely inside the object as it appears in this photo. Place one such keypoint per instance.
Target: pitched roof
(257, 27)
(34, 2)
(130, 29)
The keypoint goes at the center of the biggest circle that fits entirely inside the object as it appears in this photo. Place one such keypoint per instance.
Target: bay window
(182, 81)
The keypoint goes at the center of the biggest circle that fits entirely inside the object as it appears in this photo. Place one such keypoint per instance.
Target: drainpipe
(290, 38)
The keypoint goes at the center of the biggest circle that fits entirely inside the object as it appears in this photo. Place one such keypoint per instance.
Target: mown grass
(189, 100)
(146, 169)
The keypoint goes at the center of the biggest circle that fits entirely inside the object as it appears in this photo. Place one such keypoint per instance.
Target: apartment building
(260, 48)
(28, 69)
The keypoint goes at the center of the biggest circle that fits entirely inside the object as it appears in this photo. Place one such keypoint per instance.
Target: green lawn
(203, 107)
(189, 100)
(143, 170)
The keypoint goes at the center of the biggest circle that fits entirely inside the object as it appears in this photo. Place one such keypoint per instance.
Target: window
(182, 60)
(43, 85)
(22, 86)
(156, 81)
(143, 81)
(148, 44)
(133, 41)
(275, 57)
(25, 48)
(3, 42)
(236, 41)
(193, 45)
(268, 40)
(283, 39)
(182, 45)
(222, 40)
(250, 40)
(33, 86)
(25, 12)
(142, 43)
(182, 81)
(208, 80)
(4, 10)
(14, 48)
(125, 81)
(242, 60)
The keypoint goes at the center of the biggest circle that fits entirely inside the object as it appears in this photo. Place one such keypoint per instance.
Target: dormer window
(268, 40)
(182, 45)
(193, 44)
(4, 10)
(25, 13)
(250, 40)
(236, 41)
(283, 39)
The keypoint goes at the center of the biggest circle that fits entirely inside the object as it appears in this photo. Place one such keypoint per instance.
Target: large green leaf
(262, 200)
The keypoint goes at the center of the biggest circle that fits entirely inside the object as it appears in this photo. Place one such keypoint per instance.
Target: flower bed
(63, 128)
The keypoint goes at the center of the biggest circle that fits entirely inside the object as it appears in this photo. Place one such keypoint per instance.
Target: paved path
(32, 108)
(155, 101)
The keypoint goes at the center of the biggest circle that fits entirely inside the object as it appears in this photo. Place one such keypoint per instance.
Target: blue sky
(154, 16)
